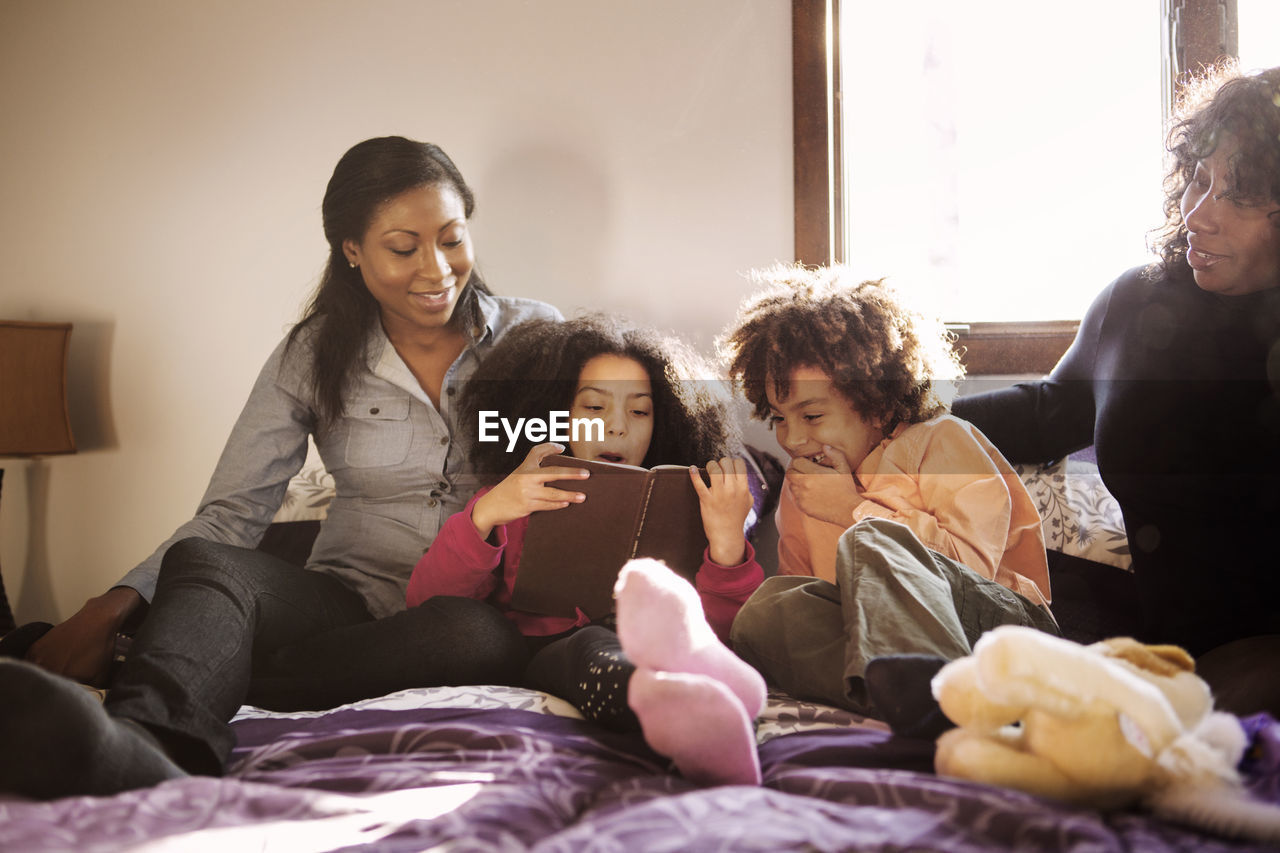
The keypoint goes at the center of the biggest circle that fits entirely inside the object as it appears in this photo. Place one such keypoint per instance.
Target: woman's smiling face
(1233, 245)
(617, 390)
(415, 258)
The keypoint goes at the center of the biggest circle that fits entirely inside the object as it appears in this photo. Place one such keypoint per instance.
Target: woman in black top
(1174, 377)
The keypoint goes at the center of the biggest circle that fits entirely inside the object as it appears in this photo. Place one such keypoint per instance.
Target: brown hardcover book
(572, 556)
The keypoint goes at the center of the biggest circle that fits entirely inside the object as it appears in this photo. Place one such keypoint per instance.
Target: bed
(509, 769)
(502, 768)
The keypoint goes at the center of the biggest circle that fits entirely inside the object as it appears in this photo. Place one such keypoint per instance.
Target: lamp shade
(33, 389)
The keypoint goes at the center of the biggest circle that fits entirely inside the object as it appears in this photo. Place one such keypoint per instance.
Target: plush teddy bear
(1107, 725)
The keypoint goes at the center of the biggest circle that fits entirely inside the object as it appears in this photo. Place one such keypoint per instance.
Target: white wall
(162, 166)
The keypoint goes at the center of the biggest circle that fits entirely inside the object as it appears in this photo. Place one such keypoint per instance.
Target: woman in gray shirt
(398, 323)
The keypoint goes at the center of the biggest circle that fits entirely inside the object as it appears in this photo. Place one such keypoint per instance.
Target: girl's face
(814, 414)
(415, 258)
(617, 390)
(1233, 246)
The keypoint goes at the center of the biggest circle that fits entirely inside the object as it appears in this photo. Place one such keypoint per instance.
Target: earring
(353, 264)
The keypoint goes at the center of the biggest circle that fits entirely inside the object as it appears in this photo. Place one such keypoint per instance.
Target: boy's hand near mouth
(824, 486)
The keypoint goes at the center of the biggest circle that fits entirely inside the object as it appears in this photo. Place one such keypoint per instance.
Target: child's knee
(493, 643)
(889, 540)
(597, 647)
(765, 616)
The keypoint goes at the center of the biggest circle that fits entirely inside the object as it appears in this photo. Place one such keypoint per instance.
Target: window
(998, 176)
(1259, 33)
(1003, 159)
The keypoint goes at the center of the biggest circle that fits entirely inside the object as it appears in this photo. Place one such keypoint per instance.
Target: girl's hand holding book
(525, 491)
(725, 505)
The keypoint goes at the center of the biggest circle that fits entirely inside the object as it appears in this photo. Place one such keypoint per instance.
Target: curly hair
(342, 311)
(1222, 101)
(883, 357)
(534, 370)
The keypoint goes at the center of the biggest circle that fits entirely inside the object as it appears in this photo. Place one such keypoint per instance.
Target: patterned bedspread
(509, 769)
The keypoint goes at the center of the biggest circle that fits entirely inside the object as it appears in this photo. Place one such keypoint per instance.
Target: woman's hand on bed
(80, 648)
(526, 490)
(725, 505)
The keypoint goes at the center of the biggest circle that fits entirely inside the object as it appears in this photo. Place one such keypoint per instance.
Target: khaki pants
(892, 595)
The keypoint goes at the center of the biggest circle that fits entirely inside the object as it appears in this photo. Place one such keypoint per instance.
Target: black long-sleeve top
(1177, 389)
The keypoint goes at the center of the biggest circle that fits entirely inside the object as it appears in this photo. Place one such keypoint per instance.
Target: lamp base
(6, 614)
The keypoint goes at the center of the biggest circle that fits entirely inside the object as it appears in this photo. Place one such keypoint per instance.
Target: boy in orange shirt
(904, 534)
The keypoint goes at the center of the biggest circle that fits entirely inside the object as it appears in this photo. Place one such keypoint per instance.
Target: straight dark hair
(342, 312)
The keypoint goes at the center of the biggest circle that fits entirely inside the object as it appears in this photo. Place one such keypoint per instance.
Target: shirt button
(444, 440)
(431, 502)
(451, 390)
(374, 410)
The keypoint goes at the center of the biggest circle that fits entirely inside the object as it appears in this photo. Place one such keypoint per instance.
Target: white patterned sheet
(480, 697)
(782, 714)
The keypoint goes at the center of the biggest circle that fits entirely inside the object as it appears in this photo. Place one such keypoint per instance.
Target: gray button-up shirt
(397, 463)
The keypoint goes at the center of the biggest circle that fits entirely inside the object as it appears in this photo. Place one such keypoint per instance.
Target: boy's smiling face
(814, 413)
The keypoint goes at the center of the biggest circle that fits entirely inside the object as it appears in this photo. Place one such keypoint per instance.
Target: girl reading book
(676, 681)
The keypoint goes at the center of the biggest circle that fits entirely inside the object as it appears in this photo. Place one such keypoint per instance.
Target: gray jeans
(892, 595)
(229, 624)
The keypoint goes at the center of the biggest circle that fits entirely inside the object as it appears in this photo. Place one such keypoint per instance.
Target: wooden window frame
(1195, 34)
(817, 154)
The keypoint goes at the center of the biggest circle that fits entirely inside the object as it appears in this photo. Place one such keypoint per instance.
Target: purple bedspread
(469, 779)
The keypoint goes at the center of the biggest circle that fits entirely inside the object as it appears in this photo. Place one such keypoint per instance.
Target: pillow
(309, 493)
(1078, 514)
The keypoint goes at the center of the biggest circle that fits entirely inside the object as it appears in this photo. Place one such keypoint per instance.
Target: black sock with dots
(590, 671)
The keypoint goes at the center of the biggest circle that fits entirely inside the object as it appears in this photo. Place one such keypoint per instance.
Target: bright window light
(1003, 159)
(1259, 33)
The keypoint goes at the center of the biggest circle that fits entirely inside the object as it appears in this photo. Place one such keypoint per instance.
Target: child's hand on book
(725, 504)
(525, 491)
(828, 492)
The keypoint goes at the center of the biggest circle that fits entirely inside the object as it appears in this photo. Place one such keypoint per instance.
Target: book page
(671, 525)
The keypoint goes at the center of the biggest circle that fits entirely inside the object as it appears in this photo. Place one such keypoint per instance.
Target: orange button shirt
(943, 479)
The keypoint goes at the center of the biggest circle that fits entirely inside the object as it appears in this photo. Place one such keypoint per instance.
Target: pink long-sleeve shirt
(943, 479)
(460, 563)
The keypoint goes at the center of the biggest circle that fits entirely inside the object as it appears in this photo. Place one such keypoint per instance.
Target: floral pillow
(1079, 515)
(309, 493)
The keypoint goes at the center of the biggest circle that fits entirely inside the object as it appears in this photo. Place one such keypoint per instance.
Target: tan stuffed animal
(1107, 725)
